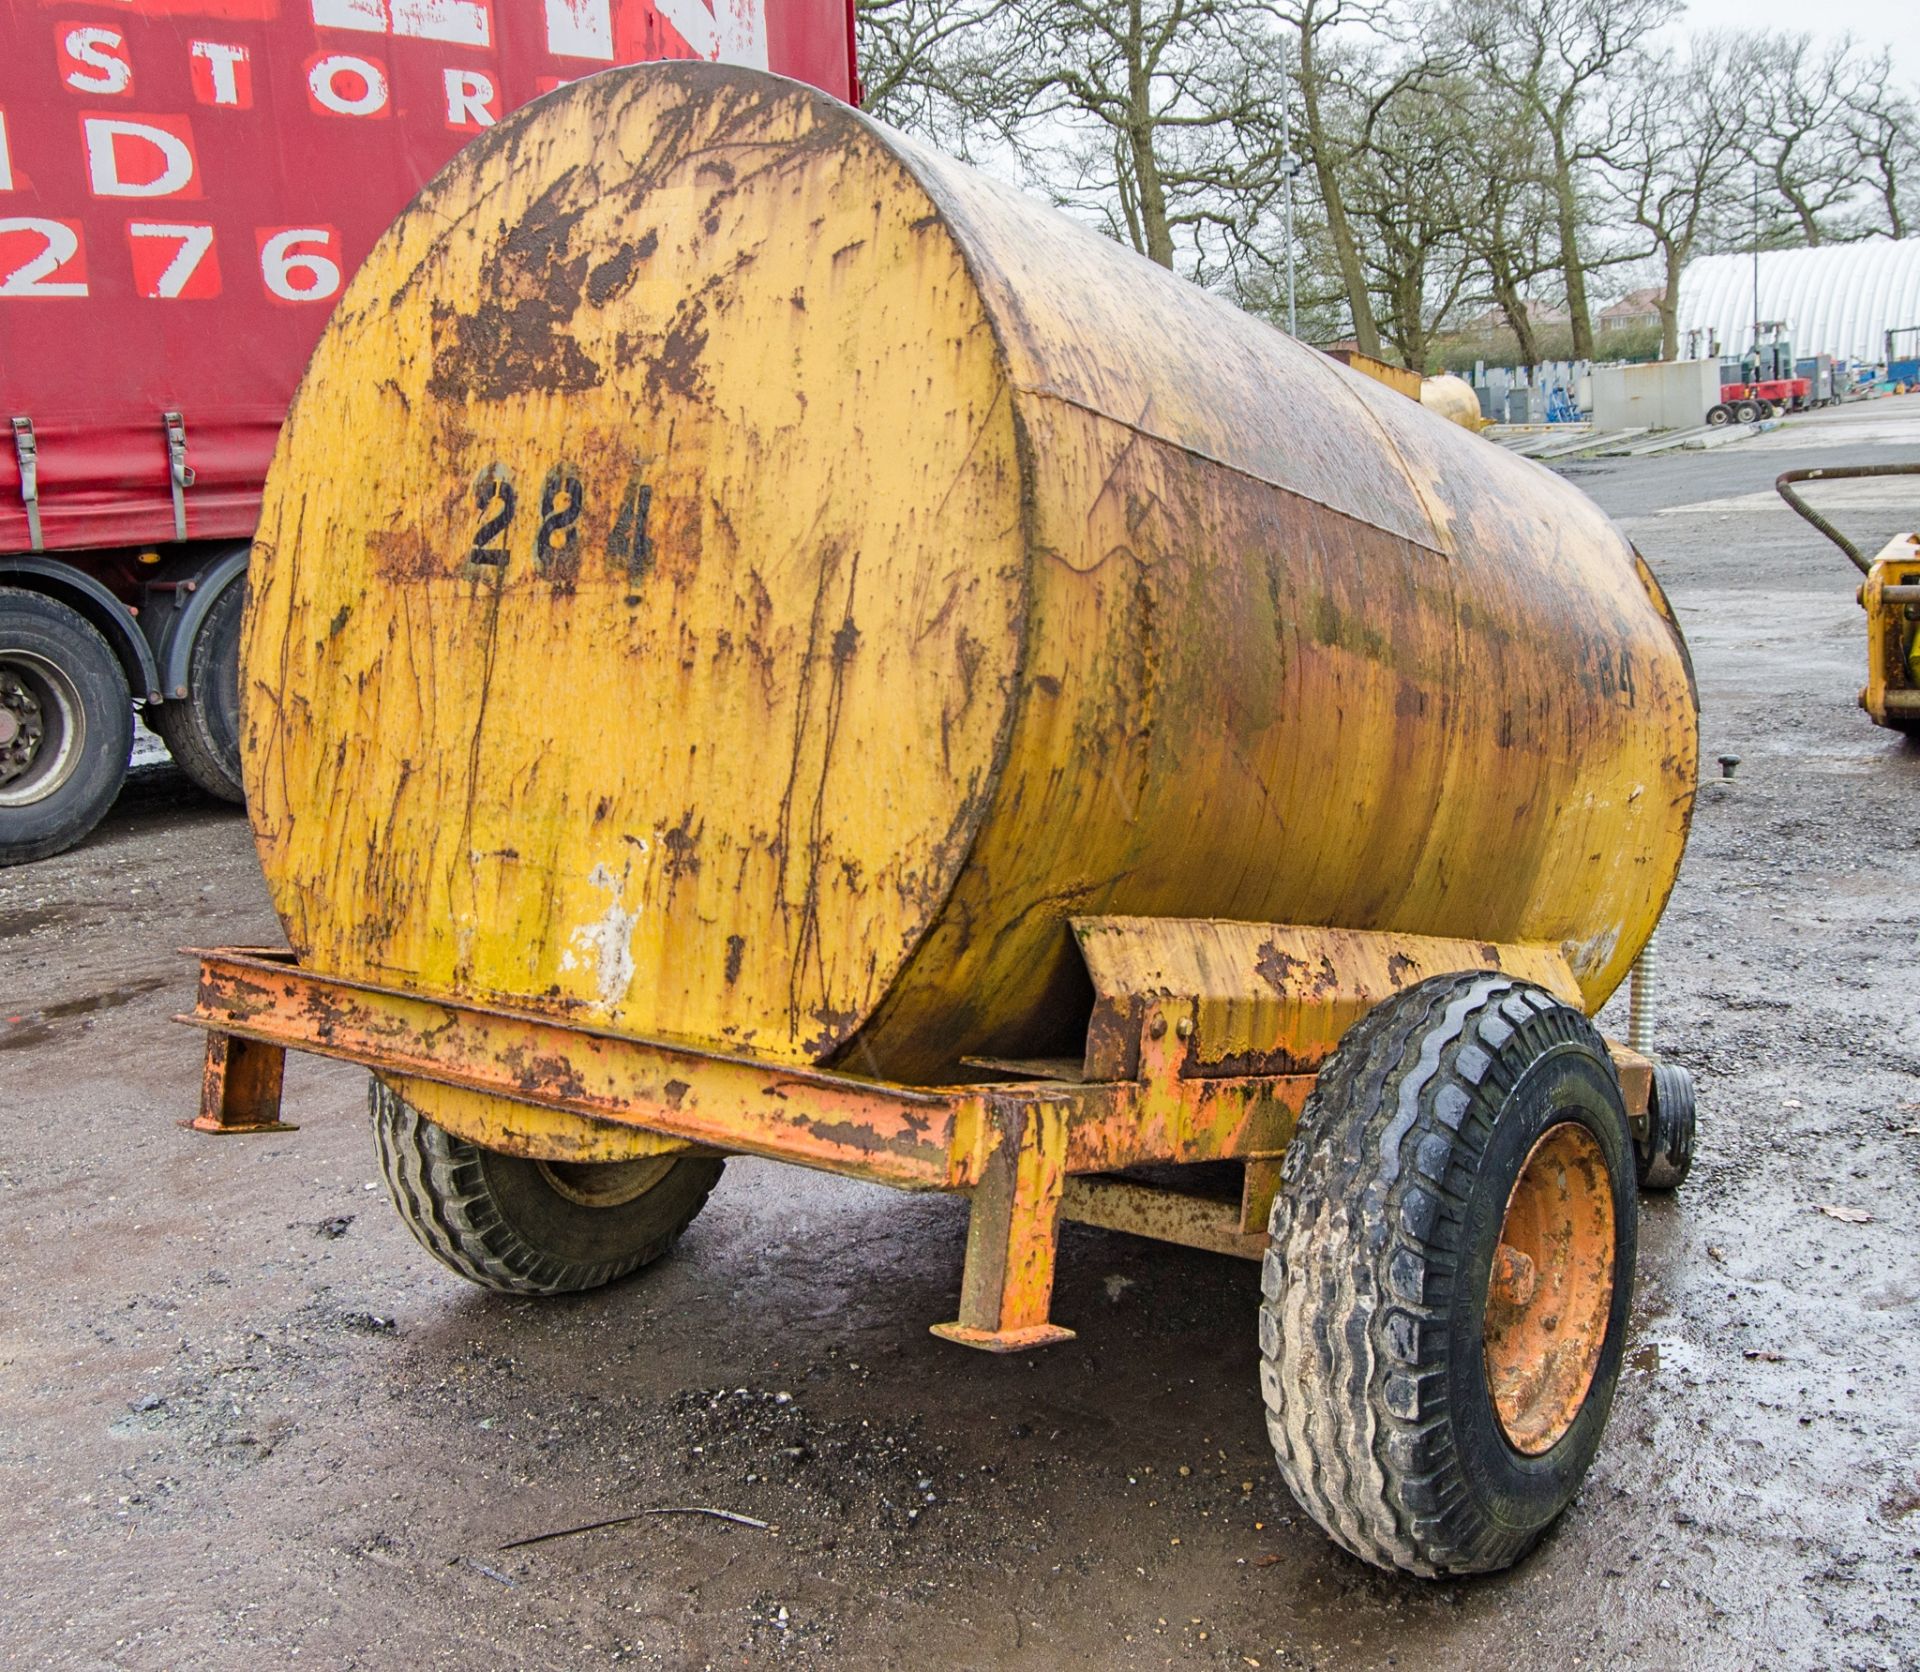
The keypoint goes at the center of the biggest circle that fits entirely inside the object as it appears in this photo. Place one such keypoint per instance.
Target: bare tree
(1677, 162)
(921, 63)
(1800, 138)
(1413, 151)
(1155, 118)
(1558, 61)
(1884, 124)
(1504, 207)
(1326, 143)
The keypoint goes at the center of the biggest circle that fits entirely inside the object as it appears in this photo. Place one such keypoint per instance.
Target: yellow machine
(1890, 595)
(766, 640)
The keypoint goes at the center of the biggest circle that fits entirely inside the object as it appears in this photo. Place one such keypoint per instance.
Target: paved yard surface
(243, 1419)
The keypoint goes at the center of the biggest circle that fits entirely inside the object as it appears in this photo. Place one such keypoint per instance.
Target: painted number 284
(564, 508)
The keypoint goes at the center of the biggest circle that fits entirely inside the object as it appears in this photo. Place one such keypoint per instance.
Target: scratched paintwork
(994, 577)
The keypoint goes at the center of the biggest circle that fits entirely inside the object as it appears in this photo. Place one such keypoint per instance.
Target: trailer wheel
(1718, 417)
(66, 726)
(202, 729)
(531, 1227)
(1666, 1157)
(1449, 1276)
(1747, 412)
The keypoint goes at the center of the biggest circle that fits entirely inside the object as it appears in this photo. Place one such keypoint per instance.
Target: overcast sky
(1892, 23)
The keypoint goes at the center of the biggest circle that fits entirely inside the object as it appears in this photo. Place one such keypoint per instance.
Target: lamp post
(1290, 166)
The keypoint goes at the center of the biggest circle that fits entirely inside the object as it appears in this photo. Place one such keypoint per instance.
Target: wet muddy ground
(245, 1421)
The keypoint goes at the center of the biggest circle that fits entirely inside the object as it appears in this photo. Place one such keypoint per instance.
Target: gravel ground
(243, 1419)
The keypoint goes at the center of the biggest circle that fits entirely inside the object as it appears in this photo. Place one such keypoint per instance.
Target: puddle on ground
(34, 1027)
(111, 999)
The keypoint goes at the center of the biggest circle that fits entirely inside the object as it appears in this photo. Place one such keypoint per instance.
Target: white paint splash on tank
(607, 942)
(1593, 953)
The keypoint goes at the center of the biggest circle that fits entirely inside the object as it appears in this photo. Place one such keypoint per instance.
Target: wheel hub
(1550, 1292)
(22, 727)
(606, 1184)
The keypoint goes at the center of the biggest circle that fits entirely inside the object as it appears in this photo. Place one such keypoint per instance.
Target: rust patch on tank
(517, 340)
(675, 368)
(614, 277)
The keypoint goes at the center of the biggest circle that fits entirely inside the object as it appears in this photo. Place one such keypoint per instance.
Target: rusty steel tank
(731, 574)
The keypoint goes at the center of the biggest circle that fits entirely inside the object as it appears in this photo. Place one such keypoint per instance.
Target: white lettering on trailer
(463, 22)
(580, 29)
(195, 241)
(470, 99)
(34, 276)
(104, 135)
(220, 59)
(281, 261)
(98, 53)
(731, 31)
(322, 78)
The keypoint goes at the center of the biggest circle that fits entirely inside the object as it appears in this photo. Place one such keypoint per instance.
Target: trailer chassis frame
(1203, 1045)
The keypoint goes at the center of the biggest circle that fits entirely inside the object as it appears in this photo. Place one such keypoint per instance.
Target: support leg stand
(240, 1091)
(1011, 1234)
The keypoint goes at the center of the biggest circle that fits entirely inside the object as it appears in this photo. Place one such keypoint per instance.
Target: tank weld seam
(1047, 391)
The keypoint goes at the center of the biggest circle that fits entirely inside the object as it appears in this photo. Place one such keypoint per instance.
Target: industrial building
(1839, 299)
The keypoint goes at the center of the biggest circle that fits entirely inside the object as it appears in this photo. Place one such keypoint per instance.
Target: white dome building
(1840, 299)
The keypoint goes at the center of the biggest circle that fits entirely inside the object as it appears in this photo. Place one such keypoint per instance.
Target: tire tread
(1346, 1245)
(439, 1187)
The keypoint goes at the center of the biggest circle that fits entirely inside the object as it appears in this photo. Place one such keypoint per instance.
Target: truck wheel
(1449, 1276)
(1718, 417)
(1666, 1157)
(202, 729)
(531, 1227)
(66, 726)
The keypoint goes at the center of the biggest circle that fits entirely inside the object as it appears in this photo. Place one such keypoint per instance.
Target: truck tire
(1665, 1157)
(66, 726)
(1449, 1276)
(531, 1227)
(202, 729)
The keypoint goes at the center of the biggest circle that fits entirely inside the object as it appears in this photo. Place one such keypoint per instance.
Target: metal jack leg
(1007, 1286)
(240, 1090)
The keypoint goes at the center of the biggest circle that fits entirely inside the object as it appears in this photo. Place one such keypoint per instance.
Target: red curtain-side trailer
(185, 187)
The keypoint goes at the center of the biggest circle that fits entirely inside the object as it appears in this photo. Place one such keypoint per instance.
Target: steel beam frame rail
(1011, 1146)
(1165, 1083)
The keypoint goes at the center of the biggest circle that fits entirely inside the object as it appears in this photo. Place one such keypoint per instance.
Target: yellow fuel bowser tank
(731, 573)
(765, 639)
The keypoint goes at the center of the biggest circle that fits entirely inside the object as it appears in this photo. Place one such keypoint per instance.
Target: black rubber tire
(1394, 1194)
(499, 1221)
(38, 633)
(1665, 1159)
(202, 729)
(1747, 412)
(1718, 417)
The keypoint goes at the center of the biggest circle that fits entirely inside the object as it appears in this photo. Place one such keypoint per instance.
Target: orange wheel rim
(1550, 1293)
